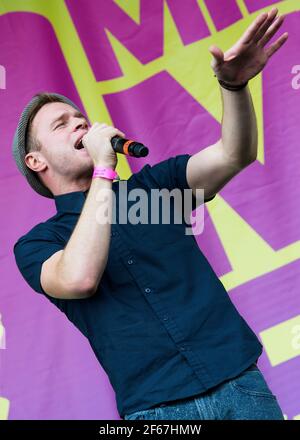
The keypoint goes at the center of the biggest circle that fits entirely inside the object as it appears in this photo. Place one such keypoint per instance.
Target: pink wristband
(107, 173)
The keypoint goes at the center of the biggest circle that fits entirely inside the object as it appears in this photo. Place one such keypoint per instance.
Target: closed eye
(59, 125)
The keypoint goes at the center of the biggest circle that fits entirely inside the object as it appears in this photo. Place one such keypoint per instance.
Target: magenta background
(48, 370)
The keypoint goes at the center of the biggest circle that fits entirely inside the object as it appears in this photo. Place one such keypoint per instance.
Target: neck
(59, 187)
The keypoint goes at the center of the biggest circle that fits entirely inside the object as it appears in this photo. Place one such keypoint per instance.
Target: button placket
(161, 312)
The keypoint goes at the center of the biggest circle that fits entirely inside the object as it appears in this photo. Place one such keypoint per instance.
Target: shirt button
(182, 348)
(165, 318)
(130, 261)
(147, 290)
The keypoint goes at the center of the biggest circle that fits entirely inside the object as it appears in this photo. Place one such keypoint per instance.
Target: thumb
(218, 57)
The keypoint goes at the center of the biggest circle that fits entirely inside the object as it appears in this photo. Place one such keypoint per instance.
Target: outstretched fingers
(277, 45)
(252, 30)
(271, 31)
(265, 25)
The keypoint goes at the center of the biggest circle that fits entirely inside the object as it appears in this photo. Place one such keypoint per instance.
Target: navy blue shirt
(161, 323)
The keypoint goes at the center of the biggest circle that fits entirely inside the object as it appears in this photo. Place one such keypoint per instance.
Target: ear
(35, 161)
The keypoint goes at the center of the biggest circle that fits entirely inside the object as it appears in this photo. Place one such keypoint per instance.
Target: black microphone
(129, 147)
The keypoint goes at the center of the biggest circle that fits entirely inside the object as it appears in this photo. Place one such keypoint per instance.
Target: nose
(80, 124)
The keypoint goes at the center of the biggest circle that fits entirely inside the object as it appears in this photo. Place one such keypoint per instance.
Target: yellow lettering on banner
(4, 408)
(177, 60)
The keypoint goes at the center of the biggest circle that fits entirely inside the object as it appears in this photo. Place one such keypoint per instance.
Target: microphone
(129, 147)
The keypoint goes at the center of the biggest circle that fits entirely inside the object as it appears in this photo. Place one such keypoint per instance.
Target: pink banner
(47, 369)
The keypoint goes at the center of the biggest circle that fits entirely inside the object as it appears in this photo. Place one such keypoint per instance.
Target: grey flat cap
(19, 145)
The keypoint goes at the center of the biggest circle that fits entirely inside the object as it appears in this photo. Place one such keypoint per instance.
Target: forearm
(85, 255)
(239, 127)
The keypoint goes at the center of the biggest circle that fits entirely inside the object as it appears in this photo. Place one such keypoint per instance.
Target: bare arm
(214, 166)
(75, 271)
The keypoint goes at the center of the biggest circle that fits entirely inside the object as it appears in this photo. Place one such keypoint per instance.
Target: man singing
(157, 317)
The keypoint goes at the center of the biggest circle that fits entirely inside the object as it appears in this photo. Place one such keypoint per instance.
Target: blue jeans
(245, 397)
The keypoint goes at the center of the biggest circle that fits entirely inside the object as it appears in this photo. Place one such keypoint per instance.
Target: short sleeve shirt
(160, 323)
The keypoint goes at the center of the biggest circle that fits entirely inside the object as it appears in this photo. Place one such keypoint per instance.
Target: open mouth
(79, 145)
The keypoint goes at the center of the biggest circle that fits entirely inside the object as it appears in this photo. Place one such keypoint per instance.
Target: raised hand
(249, 55)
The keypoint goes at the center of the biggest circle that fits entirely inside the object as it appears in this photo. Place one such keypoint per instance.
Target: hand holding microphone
(103, 142)
(97, 142)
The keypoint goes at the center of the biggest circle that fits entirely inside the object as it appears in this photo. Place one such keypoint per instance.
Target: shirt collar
(74, 201)
(70, 202)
